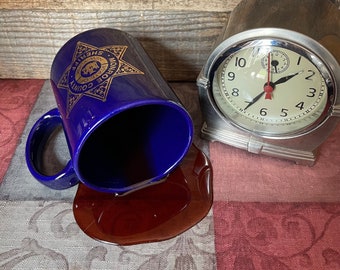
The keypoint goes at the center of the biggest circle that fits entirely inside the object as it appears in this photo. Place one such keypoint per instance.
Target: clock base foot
(258, 145)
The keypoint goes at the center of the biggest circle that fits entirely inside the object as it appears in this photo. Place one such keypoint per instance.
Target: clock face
(271, 88)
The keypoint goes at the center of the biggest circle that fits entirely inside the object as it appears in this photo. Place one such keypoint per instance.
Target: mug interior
(139, 144)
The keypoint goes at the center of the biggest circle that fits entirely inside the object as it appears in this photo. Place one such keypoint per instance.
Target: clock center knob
(268, 89)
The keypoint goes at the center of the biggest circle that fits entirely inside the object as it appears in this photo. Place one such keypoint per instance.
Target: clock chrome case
(299, 144)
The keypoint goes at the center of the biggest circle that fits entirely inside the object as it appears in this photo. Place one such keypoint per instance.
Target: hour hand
(254, 100)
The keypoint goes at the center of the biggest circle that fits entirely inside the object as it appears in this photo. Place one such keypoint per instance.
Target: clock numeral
(311, 74)
(284, 112)
(298, 61)
(235, 92)
(231, 76)
(311, 92)
(300, 105)
(240, 62)
(263, 111)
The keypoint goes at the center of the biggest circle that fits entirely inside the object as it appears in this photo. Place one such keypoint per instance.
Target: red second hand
(267, 87)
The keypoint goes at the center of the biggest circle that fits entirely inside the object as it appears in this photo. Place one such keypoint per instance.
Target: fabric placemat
(43, 235)
(16, 101)
(277, 236)
(273, 214)
(242, 176)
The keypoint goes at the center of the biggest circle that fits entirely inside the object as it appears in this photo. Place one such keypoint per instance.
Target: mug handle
(35, 145)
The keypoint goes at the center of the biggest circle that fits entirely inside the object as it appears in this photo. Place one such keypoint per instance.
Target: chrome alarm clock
(270, 91)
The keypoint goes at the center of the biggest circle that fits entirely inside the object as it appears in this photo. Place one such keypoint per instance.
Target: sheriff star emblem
(92, 70)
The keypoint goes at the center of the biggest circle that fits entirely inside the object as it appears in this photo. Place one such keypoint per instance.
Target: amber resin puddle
(155, 213)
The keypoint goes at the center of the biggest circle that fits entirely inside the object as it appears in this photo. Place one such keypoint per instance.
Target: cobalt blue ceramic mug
(125, 128)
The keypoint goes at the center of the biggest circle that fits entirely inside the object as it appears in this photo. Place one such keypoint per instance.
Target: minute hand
(254, 100)
(286, 78)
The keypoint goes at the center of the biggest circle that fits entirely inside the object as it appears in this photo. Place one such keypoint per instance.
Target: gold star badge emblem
(92, 70)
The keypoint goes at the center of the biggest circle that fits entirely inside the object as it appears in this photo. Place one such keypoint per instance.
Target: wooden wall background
(177, 34)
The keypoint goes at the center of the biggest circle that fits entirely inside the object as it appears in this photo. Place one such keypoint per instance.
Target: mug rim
(157, 179)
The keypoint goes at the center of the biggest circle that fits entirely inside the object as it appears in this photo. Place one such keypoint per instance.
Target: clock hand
(269, 87)
(275, 63)
(254, 100)
(286, 78)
